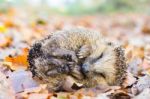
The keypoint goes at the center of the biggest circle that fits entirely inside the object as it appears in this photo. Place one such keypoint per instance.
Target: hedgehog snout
(85, 68)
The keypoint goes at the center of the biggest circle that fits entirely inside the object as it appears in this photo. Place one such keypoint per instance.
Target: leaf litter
(132, 31)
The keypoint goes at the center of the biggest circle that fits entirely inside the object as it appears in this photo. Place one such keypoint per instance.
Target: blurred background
(76, 7)
(24, 21)
(125, 22)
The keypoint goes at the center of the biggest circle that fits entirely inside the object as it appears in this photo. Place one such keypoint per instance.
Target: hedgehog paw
(84, 52)
(71, 57)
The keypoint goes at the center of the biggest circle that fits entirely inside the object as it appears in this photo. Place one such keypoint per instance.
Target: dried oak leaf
(18, 62)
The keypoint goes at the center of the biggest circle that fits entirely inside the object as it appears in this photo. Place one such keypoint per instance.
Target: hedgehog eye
(100, 56)
(100, 74)
(94, 60)
(109, 43)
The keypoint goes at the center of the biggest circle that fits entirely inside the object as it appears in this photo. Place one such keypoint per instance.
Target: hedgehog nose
(85, 68)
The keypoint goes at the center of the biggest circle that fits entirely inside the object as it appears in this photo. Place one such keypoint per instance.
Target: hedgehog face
(88, 63)
(111, 66)
(100, 65)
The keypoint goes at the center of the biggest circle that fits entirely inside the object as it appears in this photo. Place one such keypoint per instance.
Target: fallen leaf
(142, 83)
(146, 65)
(134, 51)
(130, 80)
(145, 94)
(18, 62)
(22, 80)
(135, 66)
(3, 29)
(86, 97)
(39, 89)
(147, 54)
(68, 84)
(5, 41)
(9, 23)
(120, 94)
(38, 96)
(146, 27)
(6, 91)
(4, 69)
(102, 96)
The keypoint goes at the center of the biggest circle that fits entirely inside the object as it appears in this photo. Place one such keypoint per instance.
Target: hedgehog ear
(109, 43)
(113, 44)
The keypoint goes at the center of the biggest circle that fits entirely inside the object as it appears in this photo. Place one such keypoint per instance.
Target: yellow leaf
(3, 29)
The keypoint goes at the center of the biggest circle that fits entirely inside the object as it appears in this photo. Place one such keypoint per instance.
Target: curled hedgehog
(80, 53)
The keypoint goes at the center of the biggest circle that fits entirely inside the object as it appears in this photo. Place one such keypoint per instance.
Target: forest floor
(132, 31)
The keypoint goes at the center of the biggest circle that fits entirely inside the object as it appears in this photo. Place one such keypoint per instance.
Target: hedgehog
(79, 52)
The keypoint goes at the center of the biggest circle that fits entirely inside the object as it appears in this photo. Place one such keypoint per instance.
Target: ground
(18, 32)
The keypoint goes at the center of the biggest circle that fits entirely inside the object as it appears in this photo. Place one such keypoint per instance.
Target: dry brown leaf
(19, 61)
(100, 89)
(116, 28)
(120, 94)
(86, 92)
(146, 27)
(133, 52)
(9, 23)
